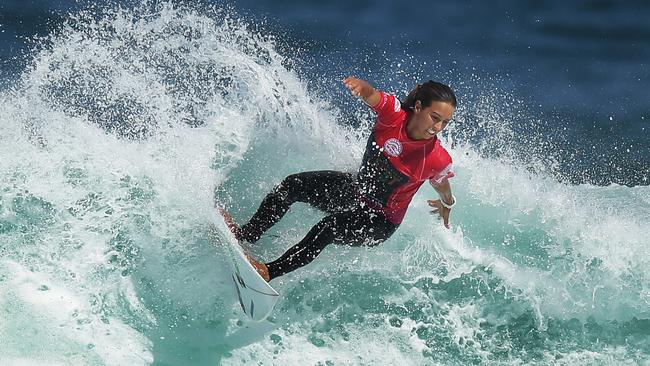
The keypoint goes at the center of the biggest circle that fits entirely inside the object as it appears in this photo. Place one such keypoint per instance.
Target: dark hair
(431, 91)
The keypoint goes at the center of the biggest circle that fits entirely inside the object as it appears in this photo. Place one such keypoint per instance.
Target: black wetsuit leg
(329, 191)
(360, 226)
(349, 221)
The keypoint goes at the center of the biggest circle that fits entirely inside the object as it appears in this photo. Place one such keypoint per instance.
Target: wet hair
(427, 93)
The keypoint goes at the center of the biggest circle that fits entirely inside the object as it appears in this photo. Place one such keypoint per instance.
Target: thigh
(327, 190)
(362, 227)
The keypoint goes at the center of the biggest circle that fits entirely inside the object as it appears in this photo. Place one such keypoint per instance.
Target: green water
(104, 250)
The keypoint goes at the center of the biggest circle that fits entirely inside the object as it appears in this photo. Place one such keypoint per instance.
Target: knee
(292, 180)
(289, 185)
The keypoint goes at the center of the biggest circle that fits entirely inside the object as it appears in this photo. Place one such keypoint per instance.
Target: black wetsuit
(362, 210)
(350, 220)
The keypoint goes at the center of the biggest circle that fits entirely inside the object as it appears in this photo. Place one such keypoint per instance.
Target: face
(425, 123)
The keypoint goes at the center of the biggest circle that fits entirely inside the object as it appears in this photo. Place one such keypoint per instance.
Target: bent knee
(292, 180)
(290, 186)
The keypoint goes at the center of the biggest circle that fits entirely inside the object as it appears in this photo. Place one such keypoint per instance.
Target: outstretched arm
(362, 89)
(444, 191)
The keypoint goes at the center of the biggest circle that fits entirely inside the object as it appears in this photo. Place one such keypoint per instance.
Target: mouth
(431, 131)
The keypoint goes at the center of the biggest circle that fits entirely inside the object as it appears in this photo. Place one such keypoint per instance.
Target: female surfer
(402, 152)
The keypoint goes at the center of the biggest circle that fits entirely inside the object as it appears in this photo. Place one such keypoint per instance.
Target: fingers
(436, 206)
(354, 85)
(349, 82)
(441, 211)
(354, 89)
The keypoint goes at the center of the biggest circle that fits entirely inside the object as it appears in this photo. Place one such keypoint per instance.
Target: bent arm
(363, 89)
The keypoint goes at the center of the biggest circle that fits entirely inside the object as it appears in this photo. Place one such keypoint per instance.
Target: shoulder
(387, 103)
(389, 110)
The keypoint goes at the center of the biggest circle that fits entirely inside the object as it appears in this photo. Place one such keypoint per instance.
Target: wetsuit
(365, 209)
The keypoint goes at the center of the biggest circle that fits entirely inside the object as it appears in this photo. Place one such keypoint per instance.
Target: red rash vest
(394, 166)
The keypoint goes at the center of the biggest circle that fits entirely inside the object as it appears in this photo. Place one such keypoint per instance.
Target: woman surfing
(403, 151)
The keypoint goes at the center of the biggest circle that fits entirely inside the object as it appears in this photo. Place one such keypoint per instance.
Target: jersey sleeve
(443, 169)
(442, 176)
(389, 110)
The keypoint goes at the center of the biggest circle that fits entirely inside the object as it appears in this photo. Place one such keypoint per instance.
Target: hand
(358, 87)
(442, 211)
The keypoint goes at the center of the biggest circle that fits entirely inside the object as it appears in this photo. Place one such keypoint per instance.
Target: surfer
(403, 152)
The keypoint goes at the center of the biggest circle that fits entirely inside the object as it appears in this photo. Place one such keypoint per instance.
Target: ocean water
(122, 125)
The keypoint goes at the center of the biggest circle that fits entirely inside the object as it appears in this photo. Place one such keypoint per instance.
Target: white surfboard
(256, 297)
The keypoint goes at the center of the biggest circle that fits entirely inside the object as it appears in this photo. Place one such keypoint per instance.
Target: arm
(444, 191)
(362, 89)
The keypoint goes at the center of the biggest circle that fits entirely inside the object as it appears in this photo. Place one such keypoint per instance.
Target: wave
(129, 122)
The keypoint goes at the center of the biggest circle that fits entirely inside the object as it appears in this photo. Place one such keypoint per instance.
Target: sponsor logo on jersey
(393, 147)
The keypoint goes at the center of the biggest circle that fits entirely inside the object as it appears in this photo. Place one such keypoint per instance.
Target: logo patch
(393, 147)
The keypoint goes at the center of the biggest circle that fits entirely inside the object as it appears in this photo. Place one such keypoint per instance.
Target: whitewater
(130, 124)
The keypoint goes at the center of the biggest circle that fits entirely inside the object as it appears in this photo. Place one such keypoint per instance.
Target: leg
(357, 227)
(329, 191)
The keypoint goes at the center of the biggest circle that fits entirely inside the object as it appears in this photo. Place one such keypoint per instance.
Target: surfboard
(256, 297)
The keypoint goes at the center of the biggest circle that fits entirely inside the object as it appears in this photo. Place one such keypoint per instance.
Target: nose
(438, 126)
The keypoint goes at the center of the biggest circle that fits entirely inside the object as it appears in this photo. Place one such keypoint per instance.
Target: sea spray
(131, 122)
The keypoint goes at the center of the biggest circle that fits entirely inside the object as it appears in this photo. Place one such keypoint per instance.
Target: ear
(417, 106)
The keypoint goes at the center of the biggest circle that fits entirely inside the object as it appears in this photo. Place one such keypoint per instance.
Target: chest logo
(393, 147)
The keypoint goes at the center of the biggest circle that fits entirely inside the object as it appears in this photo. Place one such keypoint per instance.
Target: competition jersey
(394, 166)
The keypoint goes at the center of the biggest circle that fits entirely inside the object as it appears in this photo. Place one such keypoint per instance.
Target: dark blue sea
(122, 122)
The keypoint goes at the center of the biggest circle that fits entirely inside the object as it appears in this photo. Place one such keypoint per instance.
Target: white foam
(362, 346)
(595, 250)
(265, 123)
(116, 205)
(50, 320)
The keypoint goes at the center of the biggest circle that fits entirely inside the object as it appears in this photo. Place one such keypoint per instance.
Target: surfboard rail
(256, 296)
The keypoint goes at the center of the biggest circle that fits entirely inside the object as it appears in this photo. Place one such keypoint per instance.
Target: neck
(412, 133)
(410, 130)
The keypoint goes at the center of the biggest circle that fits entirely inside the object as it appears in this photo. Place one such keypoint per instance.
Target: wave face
(129, 124)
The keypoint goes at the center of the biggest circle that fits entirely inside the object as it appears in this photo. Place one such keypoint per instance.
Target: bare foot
(230, 222)
(261, 268)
